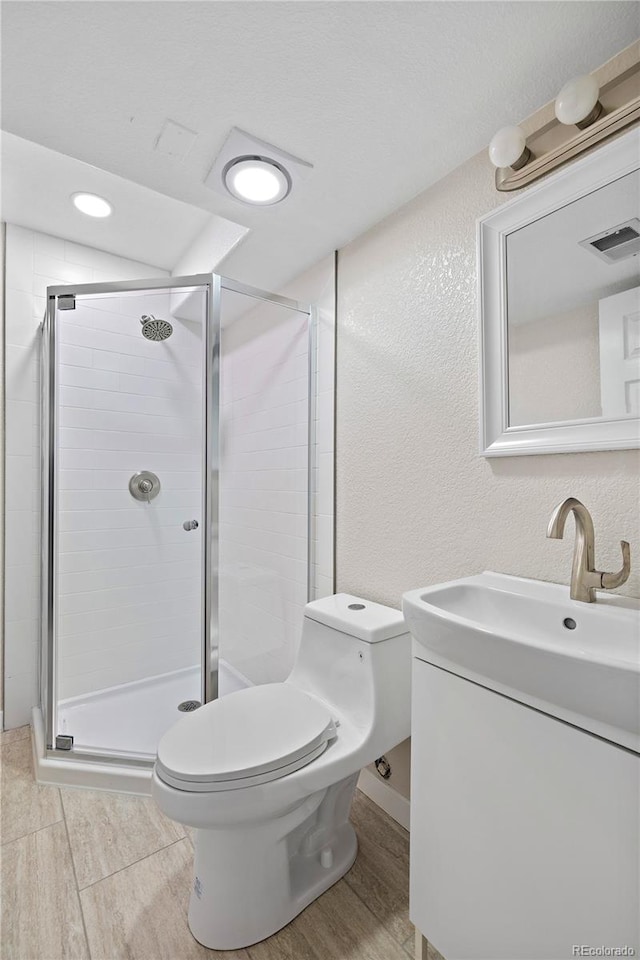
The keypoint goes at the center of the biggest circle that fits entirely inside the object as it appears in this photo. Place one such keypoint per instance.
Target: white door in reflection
(619, 319)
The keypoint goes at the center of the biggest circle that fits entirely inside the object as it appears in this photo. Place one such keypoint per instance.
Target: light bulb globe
(507, 147)
(577, 100)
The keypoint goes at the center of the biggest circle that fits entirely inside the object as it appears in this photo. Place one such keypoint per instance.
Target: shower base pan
(124, 724)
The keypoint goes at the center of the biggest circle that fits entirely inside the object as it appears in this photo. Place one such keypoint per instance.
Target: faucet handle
(612, 580)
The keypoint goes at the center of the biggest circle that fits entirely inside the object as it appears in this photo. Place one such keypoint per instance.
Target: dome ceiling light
(254, 172)
(257, 180)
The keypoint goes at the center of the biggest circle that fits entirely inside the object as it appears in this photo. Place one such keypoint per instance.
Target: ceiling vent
(174, 140)
(617, 243)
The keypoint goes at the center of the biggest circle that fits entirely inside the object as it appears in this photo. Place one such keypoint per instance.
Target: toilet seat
(249, 737)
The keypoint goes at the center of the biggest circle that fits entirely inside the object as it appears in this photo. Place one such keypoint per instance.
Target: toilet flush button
(356, 606)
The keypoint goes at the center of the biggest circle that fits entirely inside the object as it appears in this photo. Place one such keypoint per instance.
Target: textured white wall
(416, 504)
(33, 262)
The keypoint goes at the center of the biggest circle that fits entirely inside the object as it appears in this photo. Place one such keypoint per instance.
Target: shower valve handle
(146, 487)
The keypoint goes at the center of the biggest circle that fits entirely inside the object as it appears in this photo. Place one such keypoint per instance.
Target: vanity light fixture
(92, 205)
(588, 110)
(257, 180)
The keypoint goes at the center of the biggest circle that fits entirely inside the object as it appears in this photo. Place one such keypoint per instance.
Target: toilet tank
(356, 655)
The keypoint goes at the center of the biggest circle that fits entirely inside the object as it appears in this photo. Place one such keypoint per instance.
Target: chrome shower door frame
(214, 284)
(210, 507)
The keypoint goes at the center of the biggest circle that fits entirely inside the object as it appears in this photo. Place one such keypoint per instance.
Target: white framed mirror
(559, 274)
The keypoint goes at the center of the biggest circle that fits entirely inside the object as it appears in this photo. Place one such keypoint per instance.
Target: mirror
(560, 300)
(573, 309)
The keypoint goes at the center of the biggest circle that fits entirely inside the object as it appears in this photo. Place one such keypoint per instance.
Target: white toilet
(267, 774)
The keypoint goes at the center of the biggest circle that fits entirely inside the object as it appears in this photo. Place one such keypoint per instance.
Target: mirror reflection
(573, 310)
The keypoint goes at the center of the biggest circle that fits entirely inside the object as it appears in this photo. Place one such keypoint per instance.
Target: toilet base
(250, 883)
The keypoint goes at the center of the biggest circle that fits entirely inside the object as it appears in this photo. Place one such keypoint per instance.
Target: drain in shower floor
(188, 705)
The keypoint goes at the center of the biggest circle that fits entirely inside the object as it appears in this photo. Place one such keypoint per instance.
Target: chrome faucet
(585, 579)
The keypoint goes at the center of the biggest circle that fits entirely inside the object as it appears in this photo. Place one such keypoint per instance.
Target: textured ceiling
(383, 98)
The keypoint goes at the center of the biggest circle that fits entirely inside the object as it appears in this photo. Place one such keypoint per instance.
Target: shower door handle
(190, 525)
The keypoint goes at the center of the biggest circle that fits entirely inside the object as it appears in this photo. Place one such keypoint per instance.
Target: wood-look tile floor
(97, 876)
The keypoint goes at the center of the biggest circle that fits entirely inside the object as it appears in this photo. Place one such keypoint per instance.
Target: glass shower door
(267, 429)
(130, 439)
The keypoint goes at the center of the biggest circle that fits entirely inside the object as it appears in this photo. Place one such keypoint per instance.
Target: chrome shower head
(155, 329)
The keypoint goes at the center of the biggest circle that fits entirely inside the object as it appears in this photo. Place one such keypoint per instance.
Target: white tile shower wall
(127, 404)
(34, 261)
(263, 533)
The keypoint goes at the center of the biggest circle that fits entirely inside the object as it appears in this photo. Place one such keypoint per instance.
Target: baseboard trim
(385, 796)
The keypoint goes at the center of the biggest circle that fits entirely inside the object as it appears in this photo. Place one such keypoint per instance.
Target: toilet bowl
(266, 775)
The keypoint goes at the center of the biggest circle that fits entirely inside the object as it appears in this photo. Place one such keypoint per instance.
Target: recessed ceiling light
(257, 180)
(92, 204)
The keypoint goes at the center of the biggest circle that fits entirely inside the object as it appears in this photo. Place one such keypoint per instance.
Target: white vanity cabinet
(524, 829)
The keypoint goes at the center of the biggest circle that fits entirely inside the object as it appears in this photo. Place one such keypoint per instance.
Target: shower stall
(168, 448)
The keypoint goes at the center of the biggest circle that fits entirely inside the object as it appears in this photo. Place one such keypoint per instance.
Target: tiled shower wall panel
(33, 262)
(129, 574)
(264, 451)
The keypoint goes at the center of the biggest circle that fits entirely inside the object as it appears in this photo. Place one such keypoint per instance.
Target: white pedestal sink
(525, 782)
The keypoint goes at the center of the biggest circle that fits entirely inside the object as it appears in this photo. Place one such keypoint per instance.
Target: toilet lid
(245, 736)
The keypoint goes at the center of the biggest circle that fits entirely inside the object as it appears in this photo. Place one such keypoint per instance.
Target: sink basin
(528, 640)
